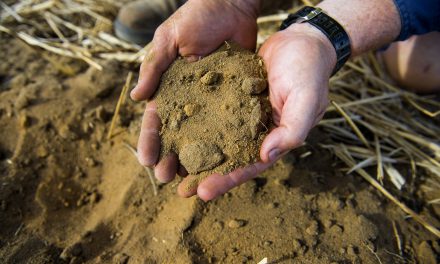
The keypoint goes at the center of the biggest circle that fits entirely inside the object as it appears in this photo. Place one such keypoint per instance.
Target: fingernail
(274, 154)
(133, 93)
(135, 88)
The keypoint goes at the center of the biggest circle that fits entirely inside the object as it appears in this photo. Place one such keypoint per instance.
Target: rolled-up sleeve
(418, 17)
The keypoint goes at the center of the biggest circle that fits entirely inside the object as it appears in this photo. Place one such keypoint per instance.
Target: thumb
(162, 53)
(297, 118)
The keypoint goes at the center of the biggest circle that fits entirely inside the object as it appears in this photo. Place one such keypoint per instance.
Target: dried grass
(53, 26)
(374, 125)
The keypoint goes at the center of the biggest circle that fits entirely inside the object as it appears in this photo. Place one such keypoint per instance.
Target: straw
(149, 171)
(119, 104)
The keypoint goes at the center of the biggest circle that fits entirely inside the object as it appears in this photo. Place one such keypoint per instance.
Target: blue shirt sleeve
(418, 17)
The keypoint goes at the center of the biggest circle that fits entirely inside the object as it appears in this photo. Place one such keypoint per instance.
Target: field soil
(215, 112)
(69, 195)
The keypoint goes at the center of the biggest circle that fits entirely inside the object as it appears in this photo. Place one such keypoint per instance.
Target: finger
(166, 169)
(217, 184)
(149, 140)
(162, 53)
(188, 186)
(297, 118)
(182, 171)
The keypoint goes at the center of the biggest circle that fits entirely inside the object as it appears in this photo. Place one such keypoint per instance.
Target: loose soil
(215, 112)
(68, 195)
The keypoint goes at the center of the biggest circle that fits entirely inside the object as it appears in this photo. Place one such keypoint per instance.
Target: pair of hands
(299, 62)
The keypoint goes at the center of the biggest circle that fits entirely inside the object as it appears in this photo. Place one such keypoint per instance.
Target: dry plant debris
(77, 29)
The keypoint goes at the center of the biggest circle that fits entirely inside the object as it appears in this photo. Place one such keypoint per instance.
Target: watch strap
(327, 25)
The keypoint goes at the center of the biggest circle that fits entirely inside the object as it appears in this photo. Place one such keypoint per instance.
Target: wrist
(317, 38)
(248, 7)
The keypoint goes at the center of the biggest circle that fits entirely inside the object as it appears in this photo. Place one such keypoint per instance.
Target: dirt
(215, 112)
(68, 195)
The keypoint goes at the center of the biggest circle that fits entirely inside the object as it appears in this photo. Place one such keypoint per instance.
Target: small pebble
(121, 258)
(70, 252)
(254, 85)
(278, 221)
(210, 78)
(327, 223)
(101, 114)
(236, 223)
(217, 226)
(352, 250)
(270, 206)
(190, 109)
(91, 162)
(313, 229)
(336, 229)
(267, 243)
(42, 152)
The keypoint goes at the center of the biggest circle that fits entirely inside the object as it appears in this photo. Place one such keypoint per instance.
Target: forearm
(370, 24)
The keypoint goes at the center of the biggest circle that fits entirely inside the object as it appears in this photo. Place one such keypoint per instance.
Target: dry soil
(68, 195)
(215, 112)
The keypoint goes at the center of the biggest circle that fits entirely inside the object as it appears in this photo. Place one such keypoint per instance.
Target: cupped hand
(195, 30)
(299, 61)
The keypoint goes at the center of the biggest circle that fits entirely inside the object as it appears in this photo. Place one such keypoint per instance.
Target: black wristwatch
(330, 27)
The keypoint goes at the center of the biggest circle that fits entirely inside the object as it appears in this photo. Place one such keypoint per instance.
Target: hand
(299, 61)
(198, 28)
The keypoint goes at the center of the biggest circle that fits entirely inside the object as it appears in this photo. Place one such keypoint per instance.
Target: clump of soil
(215, 112)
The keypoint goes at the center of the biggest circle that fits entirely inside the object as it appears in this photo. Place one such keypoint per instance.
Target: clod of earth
(215, 112)
(200, 156)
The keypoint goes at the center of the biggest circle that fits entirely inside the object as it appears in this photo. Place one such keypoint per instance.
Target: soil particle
(219, 129)
(327, 223)
(218, 226)
(254, 85)
(278, 221)
(71, 252)
(42, 152)
(267, 243)
(22, 101)
(121, 258)
(313, 229)
(101, 114)
(367, 228)
(296, 245)
(210, 78)
(352, 250)
(200, 156)
(236, 223)
(66, 132)
(272, 205)
(191, 109)
(336, 230)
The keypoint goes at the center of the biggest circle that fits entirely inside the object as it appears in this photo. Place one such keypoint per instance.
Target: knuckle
(295, 140)
(145, 161)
